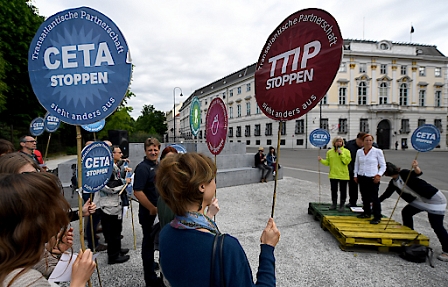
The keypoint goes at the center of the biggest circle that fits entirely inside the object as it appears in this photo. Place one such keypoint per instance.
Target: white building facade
(383, 88)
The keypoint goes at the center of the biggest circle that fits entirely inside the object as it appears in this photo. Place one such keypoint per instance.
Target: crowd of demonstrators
(420, 196)
(146, 193)
(271, 160)
(111, 205)
(262, 164)
(369, 167)
(338, 159)
(33, 213)
(186, 183)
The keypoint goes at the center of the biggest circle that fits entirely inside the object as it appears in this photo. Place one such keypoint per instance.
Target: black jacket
(258, 159)
(415, 183)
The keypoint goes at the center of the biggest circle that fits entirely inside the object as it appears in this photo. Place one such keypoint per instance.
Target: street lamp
(174, 110)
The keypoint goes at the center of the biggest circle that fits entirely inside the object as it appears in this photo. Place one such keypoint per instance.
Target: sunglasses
(33, 141)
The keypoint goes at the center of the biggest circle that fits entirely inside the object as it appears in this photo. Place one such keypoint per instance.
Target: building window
(421, 98)
(258, 111)
(231, 112)
(343, 67)
(383, 69)
(248, 142)
(224, 95)
(231, 93)
(362, 93)
(248, 87)
(268, 131)
(404, 70)
(438, 98)
(300, 127)
(283, 131)
(230, 132)
(238, 131)
(405, 128)
(238, 111)
(438, 72)
(438, 124)
(248, 109)
(257, 131)
(247, 131)
(342, 95)
(422, 71)
(324, 124)
(421, 122)
(200, 135)
(205, 101)
(343, 126)
(403, 95)
(257, 142)
(282, 142)
(324, 100)
(268, 142)
(362, 68)
(299, 142)
(364, 125)
(239, 90)
(383, 93)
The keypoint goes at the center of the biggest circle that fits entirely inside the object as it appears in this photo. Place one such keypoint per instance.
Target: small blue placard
(52, 123)
(37, 127)
(319, 137)
(95, 127)
(97, 166)
(79, 65)
(425, 138)
(180, 148)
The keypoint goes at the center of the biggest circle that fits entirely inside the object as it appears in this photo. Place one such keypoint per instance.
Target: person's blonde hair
(179, 177)
(335, 139)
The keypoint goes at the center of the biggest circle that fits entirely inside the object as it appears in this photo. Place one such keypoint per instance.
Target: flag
(412, 29)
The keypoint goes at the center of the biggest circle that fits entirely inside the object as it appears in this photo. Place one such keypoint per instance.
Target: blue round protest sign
(180, 148)
(95, 127)
(97, 166)
(319, 137)
(52, 123)
(37, 127)
(79, 66)
(425, 138)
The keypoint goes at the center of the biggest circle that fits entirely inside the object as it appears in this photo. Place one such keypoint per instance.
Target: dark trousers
(112, 227)
(352, 191)
(334, 190)
(96, 218)
(369, 194)
(147, 221)
(436, 221)
(265, 170)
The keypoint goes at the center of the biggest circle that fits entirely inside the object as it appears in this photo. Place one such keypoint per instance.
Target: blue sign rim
(428, 147)
(319, 131)
(31, 127)
(93, 128)
(194, 101)
(47, 126)
(84, 154)
(180, 147)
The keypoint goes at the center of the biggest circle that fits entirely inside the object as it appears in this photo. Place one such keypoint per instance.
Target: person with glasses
(111, 206)
(28, 144)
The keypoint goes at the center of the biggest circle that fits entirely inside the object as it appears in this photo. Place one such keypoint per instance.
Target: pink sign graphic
(298, 64)
(216, 126)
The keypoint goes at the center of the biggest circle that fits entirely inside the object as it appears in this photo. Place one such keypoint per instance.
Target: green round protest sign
(195, 116)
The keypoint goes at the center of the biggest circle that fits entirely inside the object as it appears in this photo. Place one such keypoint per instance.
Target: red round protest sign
(216, 126)
(298, 64)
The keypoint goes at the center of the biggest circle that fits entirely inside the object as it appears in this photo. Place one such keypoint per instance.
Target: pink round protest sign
(216, 126)
(298, 64)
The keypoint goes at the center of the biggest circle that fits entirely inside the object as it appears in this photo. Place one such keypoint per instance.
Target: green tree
(119, 120)
(19, 22)
(151, 120)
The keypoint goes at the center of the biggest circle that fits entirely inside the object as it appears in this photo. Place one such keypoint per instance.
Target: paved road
(303, 164)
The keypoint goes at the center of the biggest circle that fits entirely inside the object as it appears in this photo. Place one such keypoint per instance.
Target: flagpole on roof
(410, 34)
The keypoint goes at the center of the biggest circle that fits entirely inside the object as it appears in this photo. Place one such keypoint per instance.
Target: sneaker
(375, 221)
(363, 215)
(273, 173)
(119, 259)
(100, 247)
(348, 205)
(332, 207)
(443, 257)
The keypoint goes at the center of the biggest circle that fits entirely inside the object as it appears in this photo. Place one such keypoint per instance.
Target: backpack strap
(212, 268)
(221, 263)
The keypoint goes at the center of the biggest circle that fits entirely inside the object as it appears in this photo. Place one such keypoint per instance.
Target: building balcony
(386, 108)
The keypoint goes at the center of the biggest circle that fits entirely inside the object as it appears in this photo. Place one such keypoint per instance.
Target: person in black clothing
(261, 163)
(421, 196)
(146, 192)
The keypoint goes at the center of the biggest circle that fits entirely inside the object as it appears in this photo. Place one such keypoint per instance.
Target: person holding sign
(34, 210)
(112, 208)
(186, 183)
(337, 159)
(420, 196)
(369, 167)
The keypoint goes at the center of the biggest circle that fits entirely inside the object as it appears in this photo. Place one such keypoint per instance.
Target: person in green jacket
(338, 159)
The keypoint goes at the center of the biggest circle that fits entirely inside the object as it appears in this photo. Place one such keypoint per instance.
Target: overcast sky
(189, 44)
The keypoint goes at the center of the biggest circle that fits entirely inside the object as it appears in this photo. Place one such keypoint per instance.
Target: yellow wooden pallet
(355, 232)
